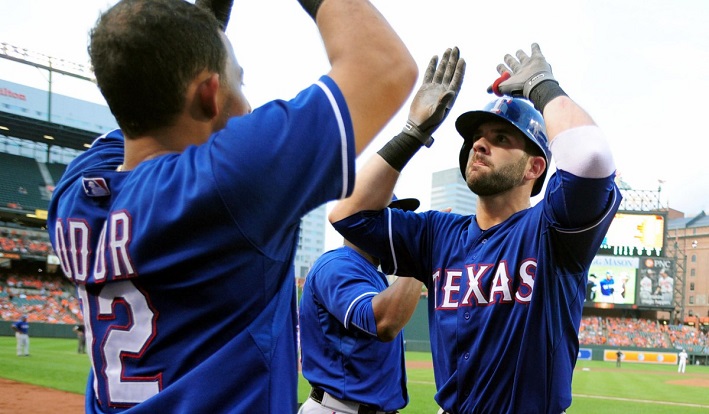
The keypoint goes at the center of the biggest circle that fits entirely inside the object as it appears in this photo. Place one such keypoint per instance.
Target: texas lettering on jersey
(73, 246)
(487, 284)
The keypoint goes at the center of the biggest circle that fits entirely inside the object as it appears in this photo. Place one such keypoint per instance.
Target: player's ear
(207, 96)
(535, 167)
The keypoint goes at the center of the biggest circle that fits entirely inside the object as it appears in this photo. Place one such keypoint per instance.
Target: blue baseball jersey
(607, 286)
(184, 264)
(505, 303)
(22, 327)
(341, 352)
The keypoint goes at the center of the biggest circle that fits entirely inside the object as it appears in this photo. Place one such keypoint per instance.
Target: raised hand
(436, 96)
(520, 74)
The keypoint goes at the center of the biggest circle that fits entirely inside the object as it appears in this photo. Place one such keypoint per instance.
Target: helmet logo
(534, 127)
(499, 105)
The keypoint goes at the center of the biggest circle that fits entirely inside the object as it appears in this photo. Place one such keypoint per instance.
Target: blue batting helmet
(515, 111)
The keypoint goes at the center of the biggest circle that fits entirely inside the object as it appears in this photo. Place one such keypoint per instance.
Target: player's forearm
(562, 113)
(373, 189)
(394, 306)
(370, 64)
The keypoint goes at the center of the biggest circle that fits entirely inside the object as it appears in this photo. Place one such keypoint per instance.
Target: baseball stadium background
(647, 295)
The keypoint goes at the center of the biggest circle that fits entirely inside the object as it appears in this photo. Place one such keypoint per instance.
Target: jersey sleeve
(404, 241)
(345, 288)
(580, 210)
(284, 159)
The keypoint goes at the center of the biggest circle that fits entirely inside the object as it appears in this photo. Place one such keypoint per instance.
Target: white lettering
(74, 248)
(100, 263)
(452, 285)
(119, 236)
(497, 289)
(436, 277)
(475, 285)
(79, 241)
(501, 284)
(62, 250)
(526, 273)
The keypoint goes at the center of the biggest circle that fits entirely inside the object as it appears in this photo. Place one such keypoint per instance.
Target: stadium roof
(36, 130)
(701, 220)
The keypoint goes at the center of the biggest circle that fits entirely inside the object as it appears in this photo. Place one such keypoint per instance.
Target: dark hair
(145, 53)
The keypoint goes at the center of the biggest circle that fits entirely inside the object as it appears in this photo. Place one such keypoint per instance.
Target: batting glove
(521, 74)
(435, 97)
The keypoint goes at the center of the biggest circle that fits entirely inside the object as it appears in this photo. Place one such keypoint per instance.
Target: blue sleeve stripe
(346, 322)
(343, 137)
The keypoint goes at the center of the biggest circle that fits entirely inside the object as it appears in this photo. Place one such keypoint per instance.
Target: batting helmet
(406, 204)
(515, 111)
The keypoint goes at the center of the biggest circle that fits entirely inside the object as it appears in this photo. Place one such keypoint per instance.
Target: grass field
(599, 387)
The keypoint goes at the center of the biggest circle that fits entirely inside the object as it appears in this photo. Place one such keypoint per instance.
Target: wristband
(411, 129)
(544, 92)
(311, 6)
(399, 150)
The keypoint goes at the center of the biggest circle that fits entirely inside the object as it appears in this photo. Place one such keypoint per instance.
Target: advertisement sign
(641, 356)
(656, 282)
(612, 280)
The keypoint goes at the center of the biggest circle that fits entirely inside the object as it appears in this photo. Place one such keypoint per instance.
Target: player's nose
(481, 145)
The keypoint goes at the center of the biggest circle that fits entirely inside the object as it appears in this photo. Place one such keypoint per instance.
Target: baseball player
(351, 336)
(506, 285)
(682, 361)
(182, 251)
(22, 336)
(646, 287)
(665, 284)
(607, 287)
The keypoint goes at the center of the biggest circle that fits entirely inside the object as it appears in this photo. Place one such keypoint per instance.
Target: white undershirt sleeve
(584, 152)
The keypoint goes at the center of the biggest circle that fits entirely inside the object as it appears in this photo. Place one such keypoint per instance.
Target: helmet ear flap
(464, 155)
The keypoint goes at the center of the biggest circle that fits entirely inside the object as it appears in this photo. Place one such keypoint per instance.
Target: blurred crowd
(641, 333)
(52, 299)
(24, 242)
(43, 298)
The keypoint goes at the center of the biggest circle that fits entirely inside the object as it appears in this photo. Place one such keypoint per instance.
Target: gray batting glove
(436, 96)
(520, 75)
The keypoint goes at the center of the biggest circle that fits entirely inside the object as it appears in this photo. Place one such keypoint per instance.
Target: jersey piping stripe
(343, 136)
(349, 308)
(101, 137)
(615, 196)
(391, 243)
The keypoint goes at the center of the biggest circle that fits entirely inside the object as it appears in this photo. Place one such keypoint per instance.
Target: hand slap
(434, 99)
(521, 73)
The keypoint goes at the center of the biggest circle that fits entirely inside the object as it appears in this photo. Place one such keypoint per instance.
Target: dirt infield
(18, 397)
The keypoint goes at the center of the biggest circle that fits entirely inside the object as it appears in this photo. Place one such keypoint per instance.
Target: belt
(317, 395)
